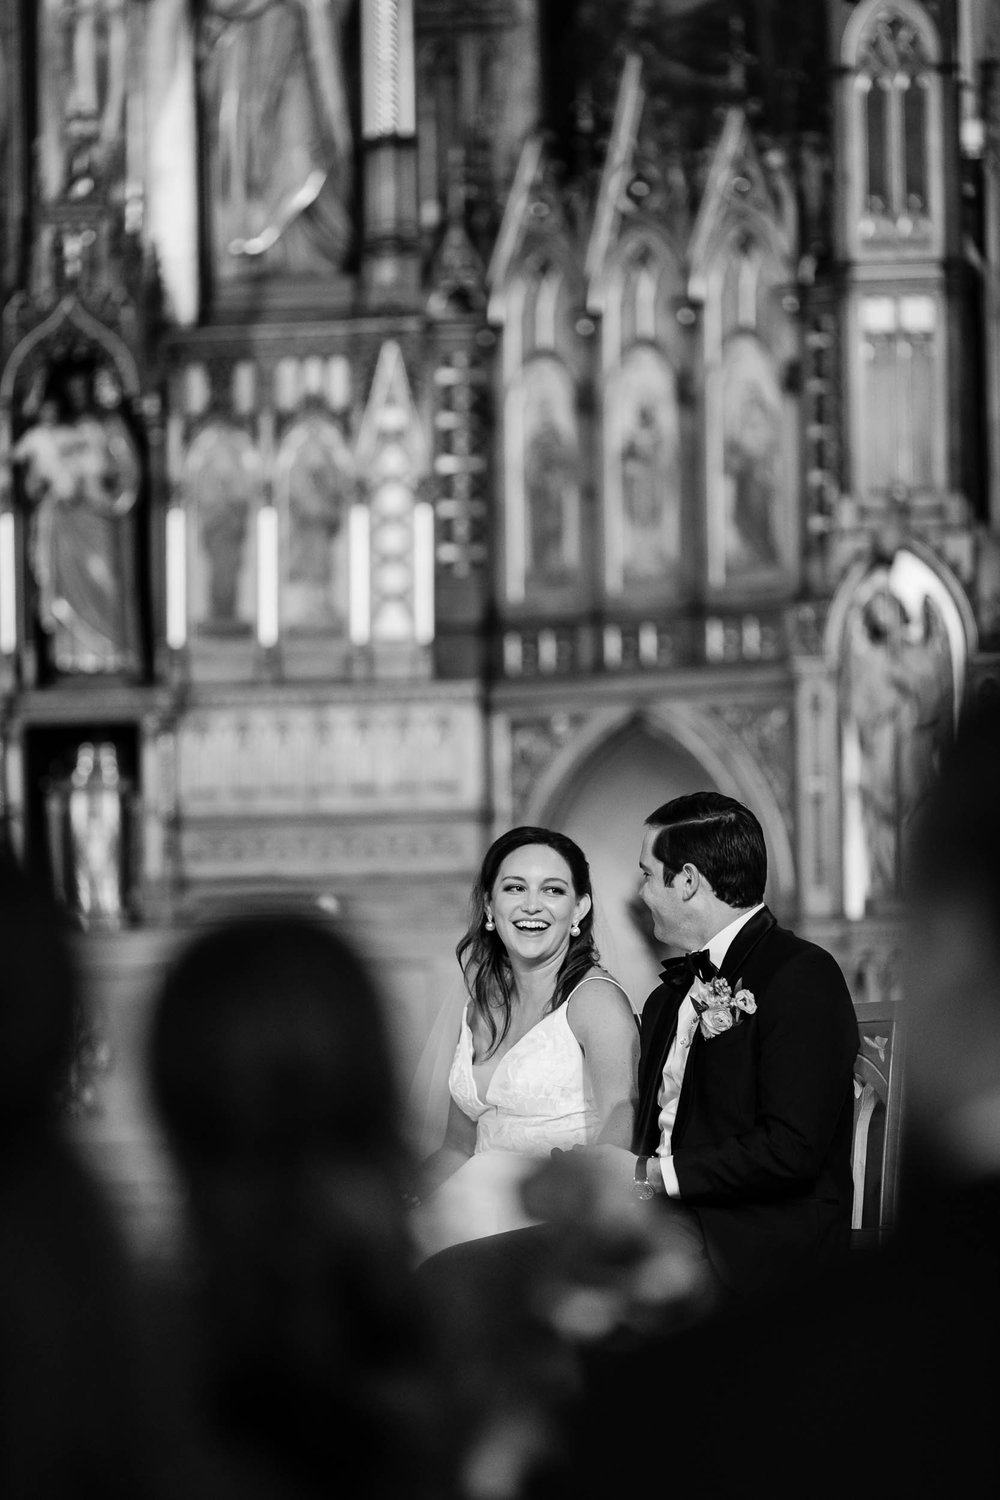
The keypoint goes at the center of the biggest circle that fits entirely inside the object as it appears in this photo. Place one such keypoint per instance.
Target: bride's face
(534, 904)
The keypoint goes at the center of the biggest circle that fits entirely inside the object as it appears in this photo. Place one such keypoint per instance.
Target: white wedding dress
(538, 1097)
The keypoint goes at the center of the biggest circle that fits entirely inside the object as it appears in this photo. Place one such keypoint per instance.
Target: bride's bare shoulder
(597, 990)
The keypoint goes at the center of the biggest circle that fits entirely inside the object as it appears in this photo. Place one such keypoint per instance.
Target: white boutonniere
(719, 1007)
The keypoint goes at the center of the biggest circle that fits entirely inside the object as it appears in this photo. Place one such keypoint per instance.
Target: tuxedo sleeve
(774, 1125)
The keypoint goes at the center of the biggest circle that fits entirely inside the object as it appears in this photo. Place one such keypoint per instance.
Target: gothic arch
(728, 765)
(541, 295)
(643, 254)
(887, 216)
(70, 311)
(752, 211)
(863, 15)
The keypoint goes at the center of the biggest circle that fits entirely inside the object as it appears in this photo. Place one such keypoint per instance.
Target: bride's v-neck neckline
(483, 1093)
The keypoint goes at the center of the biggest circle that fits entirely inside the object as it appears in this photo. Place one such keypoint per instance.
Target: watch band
(641, 1185)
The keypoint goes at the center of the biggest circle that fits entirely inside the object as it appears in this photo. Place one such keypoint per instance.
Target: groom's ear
(690, 881)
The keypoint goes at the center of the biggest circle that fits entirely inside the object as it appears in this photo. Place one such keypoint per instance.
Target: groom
(744, 1121)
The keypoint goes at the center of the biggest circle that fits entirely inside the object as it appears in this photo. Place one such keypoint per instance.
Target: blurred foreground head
(272, 1072)
(38, 999)
(268, 1043)
(952, 952)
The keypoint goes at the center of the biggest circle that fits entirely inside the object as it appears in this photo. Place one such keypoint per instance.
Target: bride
(547, 1042)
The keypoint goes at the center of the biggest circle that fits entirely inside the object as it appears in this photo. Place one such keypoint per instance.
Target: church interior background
(419, 417)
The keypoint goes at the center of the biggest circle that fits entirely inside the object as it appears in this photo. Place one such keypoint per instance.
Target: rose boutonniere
(719, 1006)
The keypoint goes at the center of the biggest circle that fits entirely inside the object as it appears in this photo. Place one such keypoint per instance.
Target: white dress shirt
(673, 1068)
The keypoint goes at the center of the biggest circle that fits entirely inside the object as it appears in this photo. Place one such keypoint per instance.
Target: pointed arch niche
(751, 424)
(902, 639)
(75, 577)
(544, 449)
(223, 485)
(641, 354)
(891, 56)
(313, 490)
(607, 780)
(743, 272)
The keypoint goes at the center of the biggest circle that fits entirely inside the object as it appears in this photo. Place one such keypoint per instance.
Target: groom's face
(661, 898)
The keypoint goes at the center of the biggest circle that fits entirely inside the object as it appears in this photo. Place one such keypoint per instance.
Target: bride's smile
(534, 904)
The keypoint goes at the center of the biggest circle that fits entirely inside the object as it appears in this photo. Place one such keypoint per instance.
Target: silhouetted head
(952, 951)
(271, 1069)
(39, 994)
(268, 1043)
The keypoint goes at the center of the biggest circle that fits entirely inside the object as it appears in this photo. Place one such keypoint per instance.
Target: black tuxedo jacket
(762, 1137)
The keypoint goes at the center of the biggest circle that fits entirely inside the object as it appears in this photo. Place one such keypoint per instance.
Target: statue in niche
(82, 476)
(551, 496)
(95, 804)
(83, 87)
(225, 523)
(224, 489)
(900, 697)
(315, 594)
(281, 139)
(752, 468)
(649, 496)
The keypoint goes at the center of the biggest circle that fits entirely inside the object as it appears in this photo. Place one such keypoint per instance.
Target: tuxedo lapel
(737, 953)
(744, 943)
(655, 1047)
(663, 1027)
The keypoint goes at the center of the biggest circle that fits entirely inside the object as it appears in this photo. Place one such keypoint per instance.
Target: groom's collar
(718, 946)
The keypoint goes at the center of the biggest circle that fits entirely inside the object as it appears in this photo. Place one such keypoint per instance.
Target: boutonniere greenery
(719, 1006)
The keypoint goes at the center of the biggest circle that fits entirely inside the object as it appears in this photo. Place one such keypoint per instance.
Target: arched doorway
(603, 806)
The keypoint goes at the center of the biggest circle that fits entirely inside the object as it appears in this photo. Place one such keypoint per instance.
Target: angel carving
(900, 697)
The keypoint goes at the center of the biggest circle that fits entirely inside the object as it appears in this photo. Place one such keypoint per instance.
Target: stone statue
(280, 132)
(224, 531)
(752, 480)
(85, 75)
(88, 817)
(82, 474)
(319, 487)
(900, 696)
(97, 832)
(649, 497)
(551, 492)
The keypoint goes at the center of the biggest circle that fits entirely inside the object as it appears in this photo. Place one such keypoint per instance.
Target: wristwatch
(642, 1188)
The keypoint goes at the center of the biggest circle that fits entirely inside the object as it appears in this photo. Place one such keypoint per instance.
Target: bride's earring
(491, 926)
(575, 930)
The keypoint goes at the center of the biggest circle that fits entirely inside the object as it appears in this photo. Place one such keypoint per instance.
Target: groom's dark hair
(720, 837)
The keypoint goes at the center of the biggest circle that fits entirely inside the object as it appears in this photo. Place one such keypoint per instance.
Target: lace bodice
(538, 1096)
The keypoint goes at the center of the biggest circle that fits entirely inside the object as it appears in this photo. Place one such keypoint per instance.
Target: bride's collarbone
(484, 1053)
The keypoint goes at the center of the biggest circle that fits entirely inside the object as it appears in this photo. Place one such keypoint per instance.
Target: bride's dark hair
(483, 957)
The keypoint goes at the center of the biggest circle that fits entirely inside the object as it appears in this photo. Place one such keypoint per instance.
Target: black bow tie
(687, 968)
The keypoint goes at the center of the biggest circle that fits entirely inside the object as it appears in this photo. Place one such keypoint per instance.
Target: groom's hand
(616, 1266)
(588, 1184)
